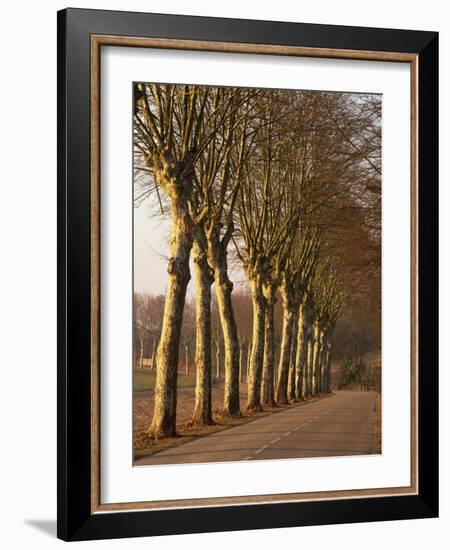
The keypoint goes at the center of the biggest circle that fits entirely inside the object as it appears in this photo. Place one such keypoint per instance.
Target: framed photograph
(247, 255)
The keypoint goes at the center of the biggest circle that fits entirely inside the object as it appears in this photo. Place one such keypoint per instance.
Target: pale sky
(150, 250)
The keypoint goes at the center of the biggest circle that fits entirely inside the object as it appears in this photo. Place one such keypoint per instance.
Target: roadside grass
(145, 380)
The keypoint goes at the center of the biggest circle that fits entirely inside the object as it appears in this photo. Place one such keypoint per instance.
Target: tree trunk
(326, 387)
(256, 359)
(319, 364)
(217, 359)
(281, 395)
(300, 356)
(268, 390)
(231, 346)
(141, 354)
(153, 353)
(292, 375)
(328, 365)
(276, 362)
(203, 365)
(309, 366)
(322, 365)
(241, 366)
(217, 257)
(315, 362)
(164, 413)
(186, 359)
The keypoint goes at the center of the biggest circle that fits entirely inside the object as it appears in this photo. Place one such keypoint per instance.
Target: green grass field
(145, 380)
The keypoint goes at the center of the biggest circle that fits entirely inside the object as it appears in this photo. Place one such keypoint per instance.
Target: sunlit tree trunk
(328, 365)
(276, 361)
(256, 358)
(315, 360)
(203, 365)
(309, 366)
(292, 374)
(180, 244)
(231, 345)
(300, 356)
(217, 257)
(322, 364)
(217, 356)
(281, 395)
(268, 391)
(319, 363)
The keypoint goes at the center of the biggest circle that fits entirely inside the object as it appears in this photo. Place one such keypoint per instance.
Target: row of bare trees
(262, 178)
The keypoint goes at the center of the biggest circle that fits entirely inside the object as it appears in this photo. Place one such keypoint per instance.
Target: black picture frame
(75, 520)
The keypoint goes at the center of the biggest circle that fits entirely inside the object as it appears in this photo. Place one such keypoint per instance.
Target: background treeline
(285, 186)
(357, 332)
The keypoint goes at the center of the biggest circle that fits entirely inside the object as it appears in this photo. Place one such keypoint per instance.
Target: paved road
(335, 426)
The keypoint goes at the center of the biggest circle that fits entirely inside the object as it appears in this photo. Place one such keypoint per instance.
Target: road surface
(335, 426)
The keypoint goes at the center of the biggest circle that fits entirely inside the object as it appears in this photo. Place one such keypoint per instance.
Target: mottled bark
(291, 380)
(268, 390)
(276, 361)
(203, 365)
(315, 360)
(321, 362)
(217, 358)
(300, 356)
(231, 346)
(309, 365)
(324, 371)
(327, 361)
(217, 257)
(256, 358)
(281, 395)
(180, 244)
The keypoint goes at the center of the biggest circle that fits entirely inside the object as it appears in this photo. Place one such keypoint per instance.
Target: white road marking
(301, 426)
(264, 447)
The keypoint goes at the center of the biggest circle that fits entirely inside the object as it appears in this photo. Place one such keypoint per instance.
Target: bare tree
(328, 300)
(267, 210)
(294, 282)
(217, 185)
(170, 133)
(203, 361)
(147, 323)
